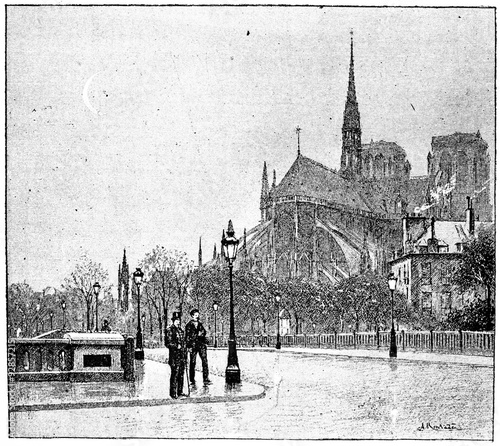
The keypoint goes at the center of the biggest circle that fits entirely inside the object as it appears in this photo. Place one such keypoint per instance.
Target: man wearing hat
(196, 342)
(176, 356)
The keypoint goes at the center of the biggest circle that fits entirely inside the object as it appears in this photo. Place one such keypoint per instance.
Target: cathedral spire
(351, 129)
(264, 195)
(200, 261)
(274, 178)
(215, 252)
(298, 130)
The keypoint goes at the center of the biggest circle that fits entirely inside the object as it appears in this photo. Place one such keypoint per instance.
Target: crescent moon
(86, 96)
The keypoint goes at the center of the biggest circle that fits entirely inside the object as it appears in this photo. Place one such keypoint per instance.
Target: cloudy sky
(130, 127)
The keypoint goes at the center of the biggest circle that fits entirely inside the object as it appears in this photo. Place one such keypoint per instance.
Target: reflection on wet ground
(151, 385)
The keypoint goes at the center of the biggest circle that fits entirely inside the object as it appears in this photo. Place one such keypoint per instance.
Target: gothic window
(445, 166)
(462, 166)
(475, 171)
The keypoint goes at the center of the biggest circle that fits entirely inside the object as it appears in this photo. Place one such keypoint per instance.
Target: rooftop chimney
(469, 218)
(432, 243)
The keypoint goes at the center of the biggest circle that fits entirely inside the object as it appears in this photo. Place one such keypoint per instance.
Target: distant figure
(105, 326)
(196, 342)
(176, 356)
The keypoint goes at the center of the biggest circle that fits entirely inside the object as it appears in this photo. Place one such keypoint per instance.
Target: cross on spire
(298, 130)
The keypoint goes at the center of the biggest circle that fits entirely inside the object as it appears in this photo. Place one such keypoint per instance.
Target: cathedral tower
(350, 162)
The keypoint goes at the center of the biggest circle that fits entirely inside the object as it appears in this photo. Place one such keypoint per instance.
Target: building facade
(431, 251)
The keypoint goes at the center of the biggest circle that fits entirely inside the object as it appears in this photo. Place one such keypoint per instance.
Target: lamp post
(230, 246)
(63, 305)
(314, 328)
(139, 351)
(97, 288)
(216, 307)
(375, 304)
(144, 323)
(37, 316)
(278, 342)
(392, 281)
(51, 319)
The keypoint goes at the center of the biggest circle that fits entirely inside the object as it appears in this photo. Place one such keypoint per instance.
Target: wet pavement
(151, 387)
(310, 395)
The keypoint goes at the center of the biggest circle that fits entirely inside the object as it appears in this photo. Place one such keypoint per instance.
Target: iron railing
(440, 341)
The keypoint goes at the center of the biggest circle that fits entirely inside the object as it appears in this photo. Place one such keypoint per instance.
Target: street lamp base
(278, 345)
(393, 350)
(139, 354)
(233, 374)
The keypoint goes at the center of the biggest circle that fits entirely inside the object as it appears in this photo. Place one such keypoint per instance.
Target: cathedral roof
(384, 148)
(307, 177)
(416, 192)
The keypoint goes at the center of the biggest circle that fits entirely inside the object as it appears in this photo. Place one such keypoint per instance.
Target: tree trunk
(160, 327)
(488, 302)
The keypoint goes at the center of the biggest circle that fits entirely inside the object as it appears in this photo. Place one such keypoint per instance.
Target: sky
(131, 127)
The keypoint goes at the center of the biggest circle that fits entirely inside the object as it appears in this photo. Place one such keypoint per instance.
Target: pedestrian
(196, 342)
(105, 326)
(176, 356)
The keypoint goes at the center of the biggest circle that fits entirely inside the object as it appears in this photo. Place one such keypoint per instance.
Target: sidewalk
(151, 388)
(383, 353)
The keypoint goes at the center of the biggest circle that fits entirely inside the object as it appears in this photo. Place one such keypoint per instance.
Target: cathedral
(327, 225)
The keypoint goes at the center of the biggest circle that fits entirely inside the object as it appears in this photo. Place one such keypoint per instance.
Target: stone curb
(135, 403)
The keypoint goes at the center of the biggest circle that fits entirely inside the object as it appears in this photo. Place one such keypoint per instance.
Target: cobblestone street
(310, 395)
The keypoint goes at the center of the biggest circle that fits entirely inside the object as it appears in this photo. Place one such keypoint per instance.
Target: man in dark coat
(196, 342)
(176, 356)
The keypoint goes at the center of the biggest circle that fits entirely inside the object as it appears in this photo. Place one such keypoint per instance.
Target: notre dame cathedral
(326, 224)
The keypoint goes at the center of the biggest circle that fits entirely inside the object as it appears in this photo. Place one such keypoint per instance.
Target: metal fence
(440, 341)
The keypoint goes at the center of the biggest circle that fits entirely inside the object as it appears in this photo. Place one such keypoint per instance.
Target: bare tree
(167, 281)
(80, 283)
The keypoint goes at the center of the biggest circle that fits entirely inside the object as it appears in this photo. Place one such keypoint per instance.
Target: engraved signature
(439, 427)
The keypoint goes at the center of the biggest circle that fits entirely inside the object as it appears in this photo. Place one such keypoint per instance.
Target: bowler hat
(176, 315)
(193, 311)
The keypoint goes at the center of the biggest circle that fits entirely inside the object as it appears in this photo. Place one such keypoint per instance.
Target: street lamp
(216, 307)
(314, 328)
(97, 288)
(392, 281)
(139, 351)
(230, 247)
(63, 305)
(51, 319)
(278, 342)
